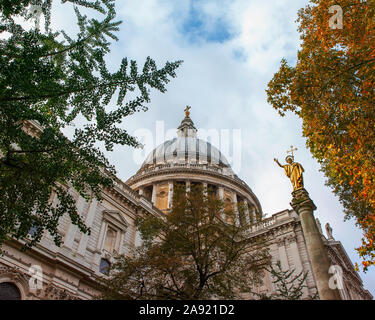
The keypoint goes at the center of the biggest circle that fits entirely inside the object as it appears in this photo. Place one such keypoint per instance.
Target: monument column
(304, 207)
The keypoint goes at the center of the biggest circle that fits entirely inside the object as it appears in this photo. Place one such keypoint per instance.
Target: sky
(230, 49)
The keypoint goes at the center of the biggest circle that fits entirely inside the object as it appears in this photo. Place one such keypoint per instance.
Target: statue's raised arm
(277, 161)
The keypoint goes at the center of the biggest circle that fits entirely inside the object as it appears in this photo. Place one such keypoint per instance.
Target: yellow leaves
(332, 87)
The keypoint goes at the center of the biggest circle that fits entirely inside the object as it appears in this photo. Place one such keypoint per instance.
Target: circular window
(9, 291)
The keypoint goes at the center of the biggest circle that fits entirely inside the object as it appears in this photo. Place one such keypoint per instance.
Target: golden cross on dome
(291, 151)
(187, 113)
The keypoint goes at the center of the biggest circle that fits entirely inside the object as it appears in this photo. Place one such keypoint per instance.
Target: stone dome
(189, 160)
(187, 148)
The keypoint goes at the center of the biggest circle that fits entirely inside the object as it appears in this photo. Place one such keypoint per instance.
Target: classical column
(246, 212)
(187, 186)
(221, 197)
(153, 197)
(304, 207)
(170, 194)
(252, 215)
(221, 193)
(236, 211)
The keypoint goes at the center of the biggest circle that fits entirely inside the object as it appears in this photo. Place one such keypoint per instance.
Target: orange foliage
(332, 88)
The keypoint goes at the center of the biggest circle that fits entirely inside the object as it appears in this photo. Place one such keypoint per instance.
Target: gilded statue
(293, 170)
(187, 112)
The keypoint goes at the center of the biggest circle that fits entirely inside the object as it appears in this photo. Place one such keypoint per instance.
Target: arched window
(9, 291)
(104, 266)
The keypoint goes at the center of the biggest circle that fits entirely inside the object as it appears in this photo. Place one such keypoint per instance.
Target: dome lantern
(187, 128)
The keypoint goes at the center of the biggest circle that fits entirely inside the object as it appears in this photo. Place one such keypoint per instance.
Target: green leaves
(193, 252)
(51, 81)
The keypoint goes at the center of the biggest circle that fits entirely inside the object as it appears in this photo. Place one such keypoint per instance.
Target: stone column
(246, 213)
(221, 197)
(170, 194)
(252, 215)
(153, 197)
(221, 193)
(304, 207)
(236, 211)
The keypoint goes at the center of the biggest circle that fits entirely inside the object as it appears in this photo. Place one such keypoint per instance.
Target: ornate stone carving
(300, 199)
(54, 293)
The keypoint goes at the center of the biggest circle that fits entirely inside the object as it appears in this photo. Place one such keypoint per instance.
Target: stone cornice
(125, 195)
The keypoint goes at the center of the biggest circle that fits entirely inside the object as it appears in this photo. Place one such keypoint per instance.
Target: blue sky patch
(199, 26)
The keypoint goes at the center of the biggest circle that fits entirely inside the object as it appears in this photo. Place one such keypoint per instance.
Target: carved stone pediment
(116, 219)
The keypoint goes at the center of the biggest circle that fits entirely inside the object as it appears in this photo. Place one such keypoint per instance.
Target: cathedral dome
(187, 149)
(189, 160)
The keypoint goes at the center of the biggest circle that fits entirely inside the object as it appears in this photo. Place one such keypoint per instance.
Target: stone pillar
(296, 258)
(252, 215)
(170, 194)
(246, 213)
(221, 193)
(304, 207)
(153, 198)
(221, 197)
(236, 211)
(187, 186)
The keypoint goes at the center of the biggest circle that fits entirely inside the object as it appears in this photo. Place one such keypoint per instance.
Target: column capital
(301, 199)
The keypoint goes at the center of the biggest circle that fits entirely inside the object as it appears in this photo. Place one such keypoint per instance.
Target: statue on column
(293, 170)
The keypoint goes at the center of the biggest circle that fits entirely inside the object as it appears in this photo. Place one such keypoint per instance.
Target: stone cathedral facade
(71, 270)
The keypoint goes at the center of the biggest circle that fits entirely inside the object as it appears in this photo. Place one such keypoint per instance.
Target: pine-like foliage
(289, 285)
(55, 81)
